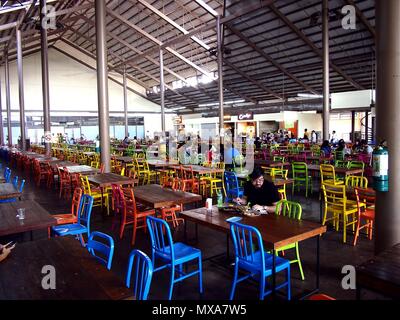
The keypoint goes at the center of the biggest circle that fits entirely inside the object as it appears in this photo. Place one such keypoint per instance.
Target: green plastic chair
(301, 177)
(341, 164)
(356, 165)
(291, 210)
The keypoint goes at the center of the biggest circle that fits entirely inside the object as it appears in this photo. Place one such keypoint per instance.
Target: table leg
(273, 274)
(318, 265)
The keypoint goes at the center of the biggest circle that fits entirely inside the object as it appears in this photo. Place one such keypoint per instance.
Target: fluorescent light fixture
(177, 108)
(307, 95)
(217, 103)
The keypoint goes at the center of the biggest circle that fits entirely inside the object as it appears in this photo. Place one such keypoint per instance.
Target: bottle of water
(220, 198)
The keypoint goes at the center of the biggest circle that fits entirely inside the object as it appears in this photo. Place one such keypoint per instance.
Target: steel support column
(366, 120)
(125, 102)
(325, 41)
(387, 224)
(1, 119)
(102, 84)
(45, 77)
(8, 97)
(162, 91)
(353, 125)
(21, 89)
(220, 82)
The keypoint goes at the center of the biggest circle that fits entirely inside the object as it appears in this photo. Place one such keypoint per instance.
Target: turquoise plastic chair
(251, 258)
(173, 255)
(105, 249)
(143, 274)
(83, 224)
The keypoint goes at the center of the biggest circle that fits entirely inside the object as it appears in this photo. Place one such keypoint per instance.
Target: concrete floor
(217, 274)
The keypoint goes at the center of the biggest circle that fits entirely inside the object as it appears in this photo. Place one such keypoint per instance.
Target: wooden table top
(62, 163)
(158, 197)
(123, 159)
(159, 163)
(276, 231)
(382, 273)
(107, 179)
(46, 159)
(345, 171)
(82, 169)
(79, 276)
(36, 217)
(7, 191)
(197, 169)
(270, 163)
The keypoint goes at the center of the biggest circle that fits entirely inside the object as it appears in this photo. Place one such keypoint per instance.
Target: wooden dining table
(8, 190)
(78, 275)
(82, 169)
(107, 179)
(157, 196)
(342, 171)
(277, 231)
(36, 217)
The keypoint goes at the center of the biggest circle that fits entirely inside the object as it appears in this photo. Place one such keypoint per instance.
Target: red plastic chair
(320, 296)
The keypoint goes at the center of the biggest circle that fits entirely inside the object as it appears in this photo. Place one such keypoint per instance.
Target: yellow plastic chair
(96, 193)
(356, 181)
(328, 175)
(215, 182)
(337, 204)
(282, 174)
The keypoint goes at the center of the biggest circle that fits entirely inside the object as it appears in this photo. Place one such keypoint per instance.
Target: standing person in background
(334, 138)
(134, 141)
(313, 137)
(306, 135)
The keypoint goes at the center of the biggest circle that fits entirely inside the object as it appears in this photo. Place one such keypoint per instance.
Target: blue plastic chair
(232, 186)
(251, 258)
(82, 225)
(143, 274)
(15, 183)
(7, 174)
(174, 255)
(105, 249)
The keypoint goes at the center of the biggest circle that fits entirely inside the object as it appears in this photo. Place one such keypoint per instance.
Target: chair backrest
(299, 169)
(76, 201)
(102, 250)
(21, 186)
(356, 181)
(356, 165)
(161, 238)
(281, 173)
(327, 172)
(366, 196)
(231, 182)
(15, 182)
(85, 185)
(289, 209)
(85, 211)
(7, 174)
(334, 196)
(143, 274)
(341, 164)
(248, 244)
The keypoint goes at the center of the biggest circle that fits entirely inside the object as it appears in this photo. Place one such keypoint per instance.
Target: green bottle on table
(220, 199)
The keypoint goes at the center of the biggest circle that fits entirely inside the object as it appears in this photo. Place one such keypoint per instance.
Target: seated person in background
(229, 155)
(257, 143)
(357, 146)
(125, 142)
(366, 148)
(326, 148)
(261, 194)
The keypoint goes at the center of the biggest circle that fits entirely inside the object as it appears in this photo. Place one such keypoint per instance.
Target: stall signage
(245, 116)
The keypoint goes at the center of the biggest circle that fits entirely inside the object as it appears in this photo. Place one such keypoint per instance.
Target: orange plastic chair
(71, 217)
(130, 213)
(366, 211)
